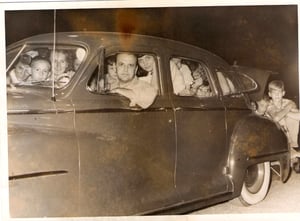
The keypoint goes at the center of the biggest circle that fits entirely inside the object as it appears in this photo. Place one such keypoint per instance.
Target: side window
(226, 84)
(190, 78)
(246, 83)
(107, 79)
(40, 65)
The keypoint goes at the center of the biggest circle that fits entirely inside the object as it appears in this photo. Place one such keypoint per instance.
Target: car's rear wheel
(256, 184)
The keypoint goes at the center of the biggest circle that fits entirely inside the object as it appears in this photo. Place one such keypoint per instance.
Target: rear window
(246, 83)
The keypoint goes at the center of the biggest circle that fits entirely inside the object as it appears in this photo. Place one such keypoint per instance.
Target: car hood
(259, 75)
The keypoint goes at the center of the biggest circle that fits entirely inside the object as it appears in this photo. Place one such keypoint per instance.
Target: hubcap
(254, 178)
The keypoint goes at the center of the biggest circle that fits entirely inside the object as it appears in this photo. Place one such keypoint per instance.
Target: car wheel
(256, 184)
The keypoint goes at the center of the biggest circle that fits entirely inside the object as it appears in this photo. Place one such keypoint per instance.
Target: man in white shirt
(137, 91)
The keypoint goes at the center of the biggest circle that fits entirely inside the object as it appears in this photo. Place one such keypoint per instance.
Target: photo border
(40, 5)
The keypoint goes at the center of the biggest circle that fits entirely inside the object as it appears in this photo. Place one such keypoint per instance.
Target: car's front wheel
(256, 183)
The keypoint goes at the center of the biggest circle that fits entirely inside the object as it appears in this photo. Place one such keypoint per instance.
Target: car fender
(255, 140)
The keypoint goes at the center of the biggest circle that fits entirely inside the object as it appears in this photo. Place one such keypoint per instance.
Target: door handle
(177, 108)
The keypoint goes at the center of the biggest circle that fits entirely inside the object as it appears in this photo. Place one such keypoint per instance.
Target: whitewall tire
(256, 184)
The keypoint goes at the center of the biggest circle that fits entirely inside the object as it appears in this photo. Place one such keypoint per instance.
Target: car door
(127, 155)
(201, 133)
(233, 87)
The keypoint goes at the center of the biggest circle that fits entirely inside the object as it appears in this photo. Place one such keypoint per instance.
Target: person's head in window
(147, 62)
(79, 56)
(111, 78)
(111, 66)
(21, 72)
(63, 68)
(126, 67)
(177, 62)
(198, 80)
(21, 68)
(40, 69)
(60, 61)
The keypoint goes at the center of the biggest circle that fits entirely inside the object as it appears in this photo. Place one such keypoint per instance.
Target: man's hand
(126, 93)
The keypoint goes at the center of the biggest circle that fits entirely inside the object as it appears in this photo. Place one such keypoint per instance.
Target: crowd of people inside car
(189, 78)
(36, 66)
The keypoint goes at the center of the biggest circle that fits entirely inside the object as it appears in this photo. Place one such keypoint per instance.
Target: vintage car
(78, 148)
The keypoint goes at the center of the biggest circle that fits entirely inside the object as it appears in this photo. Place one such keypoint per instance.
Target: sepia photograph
(140, 110)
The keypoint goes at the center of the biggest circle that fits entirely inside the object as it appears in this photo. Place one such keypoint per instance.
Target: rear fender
(255, 140)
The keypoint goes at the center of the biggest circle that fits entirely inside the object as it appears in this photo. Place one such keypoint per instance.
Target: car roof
(107, 38)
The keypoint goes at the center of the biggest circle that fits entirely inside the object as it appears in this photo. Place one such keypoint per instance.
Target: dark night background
(259, 36)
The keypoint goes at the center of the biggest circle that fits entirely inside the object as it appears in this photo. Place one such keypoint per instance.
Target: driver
(139, 92)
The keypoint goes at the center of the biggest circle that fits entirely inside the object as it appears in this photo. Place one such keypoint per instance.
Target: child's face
(197, 82)
(22, 70)
(59, 63)
(196, 74)
(111, 68)
(276, 94)
(197, 78)
(40, 70)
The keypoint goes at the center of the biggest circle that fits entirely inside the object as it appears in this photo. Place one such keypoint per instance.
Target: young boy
(21, 72)
(284, 112)
(40, 69)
